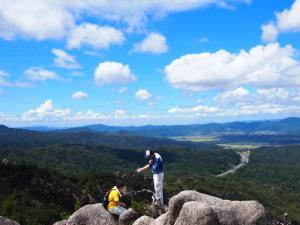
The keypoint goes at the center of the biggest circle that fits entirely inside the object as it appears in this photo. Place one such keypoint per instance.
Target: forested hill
(21, 138)
(289, 125)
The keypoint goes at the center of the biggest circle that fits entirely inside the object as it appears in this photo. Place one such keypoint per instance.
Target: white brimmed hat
(147, 154)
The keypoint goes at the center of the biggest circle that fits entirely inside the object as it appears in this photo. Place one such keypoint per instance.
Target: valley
(39, 167)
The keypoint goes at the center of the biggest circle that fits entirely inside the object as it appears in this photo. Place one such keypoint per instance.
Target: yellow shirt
(113, 198)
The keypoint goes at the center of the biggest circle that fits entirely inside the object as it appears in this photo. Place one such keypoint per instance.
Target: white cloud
(34, 19)
(195, 109)
(22, 84)
(154, 43)
(260, 103)
(56, 19)
(257, 109)
(262, 66)
(274, 93)
(76, 74)
(79, 95)
(39, 74)
(241, 103)
(238, 94)
(113, 72)
(289, 19)
(270, 32)
(122, 90)
(143, 94)
(101, 37)
(64, 60)
(4, 82)
(4, 118)
(279, 96)
(203, 40)
(120, 112)
(286, 21)
(3, 74)
(46, 112)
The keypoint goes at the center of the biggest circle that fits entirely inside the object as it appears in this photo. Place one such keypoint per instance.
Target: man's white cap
(147, 153)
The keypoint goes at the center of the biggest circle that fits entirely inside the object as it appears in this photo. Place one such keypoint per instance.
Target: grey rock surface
(185, 208)
(92, 215)
(6, 221)
(62, 222)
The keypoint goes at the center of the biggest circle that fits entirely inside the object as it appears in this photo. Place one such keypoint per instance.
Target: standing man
(156, 164)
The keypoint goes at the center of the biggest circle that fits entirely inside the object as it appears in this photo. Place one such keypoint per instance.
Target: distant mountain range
(289, 125)
(15, 138)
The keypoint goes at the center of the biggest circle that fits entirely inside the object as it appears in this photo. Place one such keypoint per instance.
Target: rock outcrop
(97, 215)
(92, 215)
(191, 207)
(186, 208)
(5, 221)
(62, 222)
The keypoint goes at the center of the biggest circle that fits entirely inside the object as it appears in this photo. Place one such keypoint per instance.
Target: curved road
(244, 161)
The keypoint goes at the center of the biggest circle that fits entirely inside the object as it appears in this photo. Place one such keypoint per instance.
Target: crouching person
(115, 206)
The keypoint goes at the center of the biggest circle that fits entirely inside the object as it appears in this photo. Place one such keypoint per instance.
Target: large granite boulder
(191, 207)
(92, 215)
(5, 221)
(227, 212)
(197, 213)
(143, 220)
(97, 215)
(128, 217)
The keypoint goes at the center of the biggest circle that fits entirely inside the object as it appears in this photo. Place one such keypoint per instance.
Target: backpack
(105, 201)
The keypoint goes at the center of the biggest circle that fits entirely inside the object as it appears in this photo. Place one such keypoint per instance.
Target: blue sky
(148, 62)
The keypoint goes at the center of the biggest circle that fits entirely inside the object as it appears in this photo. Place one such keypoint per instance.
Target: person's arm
(117, 200)
(121, 204)
(139, 170)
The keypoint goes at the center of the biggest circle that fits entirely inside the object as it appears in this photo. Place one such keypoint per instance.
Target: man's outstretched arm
(139, 170)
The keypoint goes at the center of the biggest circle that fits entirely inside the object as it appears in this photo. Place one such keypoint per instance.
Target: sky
(76, 62)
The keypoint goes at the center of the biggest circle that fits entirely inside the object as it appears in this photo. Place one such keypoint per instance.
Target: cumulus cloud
(101, 37)
(113, 72)
(79, 95)
(286, 21)
(34, 19)
(39, 74)
(143, 94)
(56, 19)
(64, 60)
(46, 112)
(274, 93)
(289, 19)
(261, 66)
(279, 96)
(263, 102)
(154, 43)
(238, 94)
(269, 96)
(240, 102)
(270, 32)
